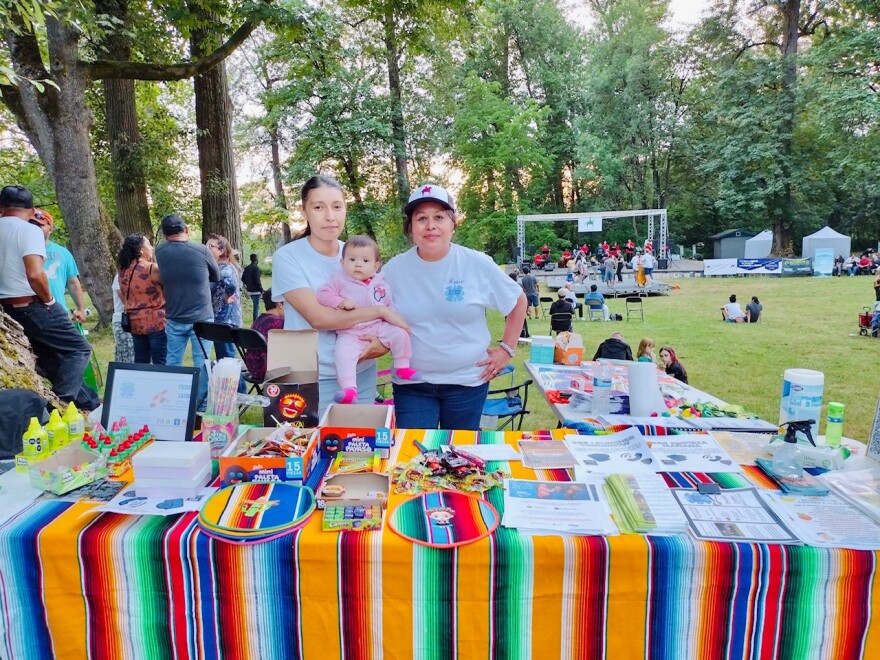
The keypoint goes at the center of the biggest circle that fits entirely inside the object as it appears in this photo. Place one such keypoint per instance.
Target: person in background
(596, 300)
(732, 312)
(529, 284)
(865, 265)
(629, 250)
(650, 262)
(308, 262)
(610, 265)
(838, 265)
(140, 289)
(62, 352)
(614, 348)
(186, 270)
(673, 367)
(575, 304)
(638, 266)
(271, 319)
(60, 268)
(444, 291)
(124, 343)
(225, 298)
(645, 352)
(852, 265)
(561, 312)
(253, 283)
(753, 310)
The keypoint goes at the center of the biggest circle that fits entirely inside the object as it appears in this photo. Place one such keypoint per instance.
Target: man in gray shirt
(529, 284)
(187, 270)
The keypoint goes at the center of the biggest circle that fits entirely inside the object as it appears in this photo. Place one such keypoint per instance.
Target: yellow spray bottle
(57, 430)
(76, 423)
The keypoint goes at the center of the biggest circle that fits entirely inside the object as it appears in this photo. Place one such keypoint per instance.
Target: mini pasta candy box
(292, 378)
(285, 453)
(67, 469)
(354, 502)
(356, 428)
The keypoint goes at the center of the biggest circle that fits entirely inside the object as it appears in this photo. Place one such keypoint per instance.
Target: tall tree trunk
(221, 213)
(398, 134)
(784, 211)
(280, 197)
(57, 123)
(120, 108)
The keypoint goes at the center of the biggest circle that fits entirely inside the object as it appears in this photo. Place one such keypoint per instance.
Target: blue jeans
(178, 336)
(62, 352)
(151, 348)
(449, 407)
(255, 298)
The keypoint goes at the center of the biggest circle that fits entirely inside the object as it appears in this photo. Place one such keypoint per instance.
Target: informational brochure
(644, 504)
(826, 521)
(738, 515)
(546, 454)
(501, 452)
(691, 453)
(624, 452)
(861, 488)
(744, 447)
(129, 503)
(557, 507)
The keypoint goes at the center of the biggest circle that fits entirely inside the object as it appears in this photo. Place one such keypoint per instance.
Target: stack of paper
(826, 521)
(625, 452)
(691, 453)
(643, 504)
(545, 454)
(806, 484)
(861, 488)
(557, 507)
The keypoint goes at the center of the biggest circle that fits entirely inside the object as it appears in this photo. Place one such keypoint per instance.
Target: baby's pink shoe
(407, 373)
(348, 395)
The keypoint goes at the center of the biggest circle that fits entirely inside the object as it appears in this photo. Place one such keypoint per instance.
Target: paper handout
(625, 452)
(736, 514)
(546, 454)
(691, 453)
(557, 507)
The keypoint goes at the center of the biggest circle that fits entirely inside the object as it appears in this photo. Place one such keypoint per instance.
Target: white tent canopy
(825, 238)
(760, 246)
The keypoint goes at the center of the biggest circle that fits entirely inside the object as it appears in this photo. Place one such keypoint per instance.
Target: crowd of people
(866, 263)
(615, 348)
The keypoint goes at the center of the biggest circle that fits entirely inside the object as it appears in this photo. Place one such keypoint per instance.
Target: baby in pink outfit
(359, 285)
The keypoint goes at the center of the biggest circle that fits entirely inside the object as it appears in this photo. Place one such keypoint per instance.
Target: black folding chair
(561, 322)
(212, 332)
(246, 339)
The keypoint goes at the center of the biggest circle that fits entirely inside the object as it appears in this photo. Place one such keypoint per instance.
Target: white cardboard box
(177, 461)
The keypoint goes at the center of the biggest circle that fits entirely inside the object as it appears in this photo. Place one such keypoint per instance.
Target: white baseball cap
(429, 193)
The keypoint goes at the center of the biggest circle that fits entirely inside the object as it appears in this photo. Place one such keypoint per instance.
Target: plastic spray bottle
(834, 424)
(76, 423)
(32, 440)
(57, 431)
(788, 461)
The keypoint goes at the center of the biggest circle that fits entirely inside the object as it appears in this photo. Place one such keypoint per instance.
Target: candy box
(356, 428)
(235, 469)
(354, 462)
(292, 378)
(67, 469)
(353, 502)
(541, 349)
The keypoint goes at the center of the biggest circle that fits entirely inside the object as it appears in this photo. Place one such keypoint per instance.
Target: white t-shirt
(298, 266)
(445, 304)
(18, 239)
(649, 260)
(118, 305)
(734, 311)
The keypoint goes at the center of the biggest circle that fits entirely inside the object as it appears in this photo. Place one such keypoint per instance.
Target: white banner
(590, 223)
(719, 267)
(823, 262)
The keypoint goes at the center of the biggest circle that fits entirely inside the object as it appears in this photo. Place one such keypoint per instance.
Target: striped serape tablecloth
(76, 584)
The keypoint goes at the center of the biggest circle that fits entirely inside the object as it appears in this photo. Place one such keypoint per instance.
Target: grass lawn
(807, 323)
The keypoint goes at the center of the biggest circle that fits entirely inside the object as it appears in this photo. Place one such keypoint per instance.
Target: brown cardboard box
(292, 378)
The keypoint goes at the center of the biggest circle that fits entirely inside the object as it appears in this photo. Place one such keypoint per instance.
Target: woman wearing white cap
(443, 290)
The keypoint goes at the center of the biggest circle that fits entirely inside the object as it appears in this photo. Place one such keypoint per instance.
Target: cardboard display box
(236, 469)
(67, 469)
(292, 378)
(366, 490)
(356, 427)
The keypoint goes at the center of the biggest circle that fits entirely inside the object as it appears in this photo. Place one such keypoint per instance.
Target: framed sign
(163, 398)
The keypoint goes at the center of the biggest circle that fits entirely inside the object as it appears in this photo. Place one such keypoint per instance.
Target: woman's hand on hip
(374, 349)
(497, 359)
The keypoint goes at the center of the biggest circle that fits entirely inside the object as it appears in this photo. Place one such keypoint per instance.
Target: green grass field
(808, 323)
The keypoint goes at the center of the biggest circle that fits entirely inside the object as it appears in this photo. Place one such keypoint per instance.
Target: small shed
(731, 244)
(825, 238)
(760, 246)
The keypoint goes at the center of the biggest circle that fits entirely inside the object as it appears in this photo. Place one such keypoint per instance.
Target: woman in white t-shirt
(443, 290)
(302, 267)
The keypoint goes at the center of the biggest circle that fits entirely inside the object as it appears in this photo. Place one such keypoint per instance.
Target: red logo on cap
(426, 190)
